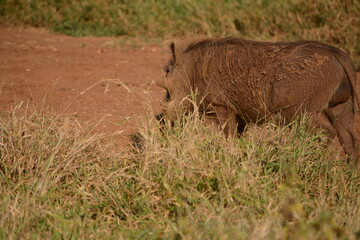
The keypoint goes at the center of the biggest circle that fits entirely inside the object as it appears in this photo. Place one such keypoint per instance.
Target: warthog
(237, 81)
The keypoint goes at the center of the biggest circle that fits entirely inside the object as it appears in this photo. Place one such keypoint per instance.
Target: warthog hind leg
(342, 119)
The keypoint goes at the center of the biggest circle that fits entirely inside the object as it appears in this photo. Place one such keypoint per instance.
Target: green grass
(335, 22)
(60, 181)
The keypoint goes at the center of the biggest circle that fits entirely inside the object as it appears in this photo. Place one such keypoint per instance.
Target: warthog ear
(172, 49)
(162, 83)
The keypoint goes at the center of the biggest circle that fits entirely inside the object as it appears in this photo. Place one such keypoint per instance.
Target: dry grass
(186, 182)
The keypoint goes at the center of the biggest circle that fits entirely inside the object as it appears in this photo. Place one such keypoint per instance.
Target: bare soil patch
(102, 80)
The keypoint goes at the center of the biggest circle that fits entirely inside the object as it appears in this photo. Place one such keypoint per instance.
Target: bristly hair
(212, 42)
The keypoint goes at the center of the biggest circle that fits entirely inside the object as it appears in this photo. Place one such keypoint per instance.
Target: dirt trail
(90, 78)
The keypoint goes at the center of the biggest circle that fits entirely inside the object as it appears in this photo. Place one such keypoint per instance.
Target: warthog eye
(169, 68)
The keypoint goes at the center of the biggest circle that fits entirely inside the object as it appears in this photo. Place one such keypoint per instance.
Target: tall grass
(336, 22)
(184, 181)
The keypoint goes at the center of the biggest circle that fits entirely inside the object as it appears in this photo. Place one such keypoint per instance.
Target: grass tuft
(186, 181)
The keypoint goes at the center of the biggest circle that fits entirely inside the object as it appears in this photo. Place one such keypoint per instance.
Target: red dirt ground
(90, 78)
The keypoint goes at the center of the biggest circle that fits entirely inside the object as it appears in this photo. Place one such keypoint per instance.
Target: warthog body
(238, 81)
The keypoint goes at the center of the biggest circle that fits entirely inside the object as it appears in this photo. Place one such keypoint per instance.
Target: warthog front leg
(226, 120)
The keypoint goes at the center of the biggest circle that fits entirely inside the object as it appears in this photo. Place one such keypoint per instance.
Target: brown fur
(239, 81)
